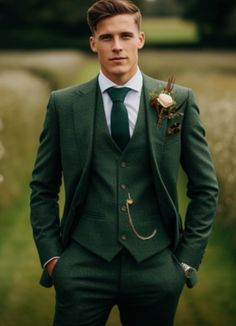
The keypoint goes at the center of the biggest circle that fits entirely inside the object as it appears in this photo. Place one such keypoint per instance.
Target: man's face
(116, 41)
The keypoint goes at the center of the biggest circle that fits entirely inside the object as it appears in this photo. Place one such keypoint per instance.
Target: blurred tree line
(215, 19)
(66, 15)
(161, 8)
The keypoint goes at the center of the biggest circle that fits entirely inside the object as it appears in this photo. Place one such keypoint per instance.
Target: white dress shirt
(132, 99)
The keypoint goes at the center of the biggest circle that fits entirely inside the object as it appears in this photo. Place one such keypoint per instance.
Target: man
(118, 140)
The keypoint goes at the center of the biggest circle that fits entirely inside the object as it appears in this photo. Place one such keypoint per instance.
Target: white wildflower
(2, 150)
(1, 124)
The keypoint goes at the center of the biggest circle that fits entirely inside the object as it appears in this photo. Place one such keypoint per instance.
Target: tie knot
(118, 94)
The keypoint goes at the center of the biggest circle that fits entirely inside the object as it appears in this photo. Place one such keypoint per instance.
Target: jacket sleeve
(202, 187)
(45, 186)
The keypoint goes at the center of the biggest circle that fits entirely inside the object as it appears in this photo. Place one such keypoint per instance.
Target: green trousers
(87, 287)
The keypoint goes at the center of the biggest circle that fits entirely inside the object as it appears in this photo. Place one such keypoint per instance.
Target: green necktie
(119, 116)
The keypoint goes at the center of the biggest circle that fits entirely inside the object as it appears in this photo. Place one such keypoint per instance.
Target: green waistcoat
(104, 226)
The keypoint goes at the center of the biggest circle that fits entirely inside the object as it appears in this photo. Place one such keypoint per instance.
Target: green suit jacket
(66, 150)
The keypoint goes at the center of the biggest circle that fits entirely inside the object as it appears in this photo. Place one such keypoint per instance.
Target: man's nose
(117, 46)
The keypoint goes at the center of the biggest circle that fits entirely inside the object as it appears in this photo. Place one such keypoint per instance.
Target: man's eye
(126, 36)
(105, 37)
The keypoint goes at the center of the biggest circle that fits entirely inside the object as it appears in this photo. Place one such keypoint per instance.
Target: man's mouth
(118, 59)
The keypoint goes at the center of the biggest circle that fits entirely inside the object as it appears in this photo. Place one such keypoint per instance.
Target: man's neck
(119, 82)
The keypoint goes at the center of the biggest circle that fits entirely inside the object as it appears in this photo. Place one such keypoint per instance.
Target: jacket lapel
(156, 134)
(156, 137)
(84, 115)
(84, 118)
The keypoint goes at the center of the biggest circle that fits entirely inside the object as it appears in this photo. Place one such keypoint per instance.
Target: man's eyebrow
(127, 33)
(102, 36)
(105, 35)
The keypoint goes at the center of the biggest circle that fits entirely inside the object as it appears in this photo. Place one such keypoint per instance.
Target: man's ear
(92, 43)
(141, 40)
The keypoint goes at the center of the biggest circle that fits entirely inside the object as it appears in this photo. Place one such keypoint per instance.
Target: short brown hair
(107, 8)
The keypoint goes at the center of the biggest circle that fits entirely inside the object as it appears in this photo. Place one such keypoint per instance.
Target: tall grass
(25, 82)
(57, 68)
(22, 97)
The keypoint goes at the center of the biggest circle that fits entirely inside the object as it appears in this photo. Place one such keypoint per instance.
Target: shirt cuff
(55, 257)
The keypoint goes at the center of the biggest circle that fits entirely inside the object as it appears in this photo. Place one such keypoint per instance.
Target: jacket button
(123, 237)
(123, 208)
(123, 186)
(123, 164)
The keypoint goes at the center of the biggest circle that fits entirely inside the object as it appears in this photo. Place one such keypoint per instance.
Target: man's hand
(50, 265)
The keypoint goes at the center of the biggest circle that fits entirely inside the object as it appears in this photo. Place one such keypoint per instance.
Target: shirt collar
(135, 83)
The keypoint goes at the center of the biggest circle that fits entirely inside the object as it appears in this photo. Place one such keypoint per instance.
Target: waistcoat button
(123, 164)
(123, 237)
(123, 186)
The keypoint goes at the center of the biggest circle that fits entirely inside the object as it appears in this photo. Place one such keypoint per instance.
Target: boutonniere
(174, 129)
(164, 102)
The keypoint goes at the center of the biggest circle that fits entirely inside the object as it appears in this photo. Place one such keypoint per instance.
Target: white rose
(165, 100)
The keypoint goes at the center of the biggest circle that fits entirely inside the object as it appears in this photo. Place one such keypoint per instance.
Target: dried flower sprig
(164, 103)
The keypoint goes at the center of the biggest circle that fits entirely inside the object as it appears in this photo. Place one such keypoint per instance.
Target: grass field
(22, 301)
(169, 30)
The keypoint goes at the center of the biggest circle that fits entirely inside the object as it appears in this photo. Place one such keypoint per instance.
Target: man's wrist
(188, 270)
(51, 265)
(48, 261)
